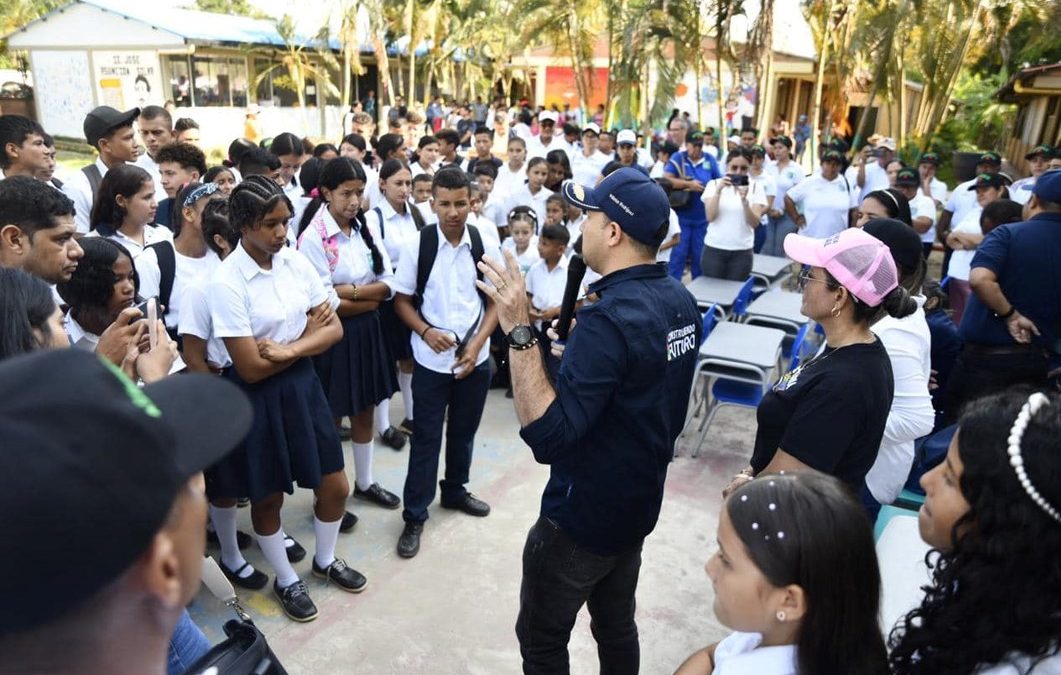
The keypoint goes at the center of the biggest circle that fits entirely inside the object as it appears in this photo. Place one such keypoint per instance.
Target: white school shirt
(82, 339)
(937, 190)
(876, 179)
(528, 258)
(354, 264)
(769, 185)
(729, 231)
(416, 169)
(523, 197)
(395, 231)
(148, 164)
(535, 148)
(791, 175)
(1021, 190)
(494, 209)
(740, 654)
(656, 171)
(508, 182)
(247, 301)
(79, 191)
(961, 201)
(195, 320)
(487, 229)
(299, 205)
(586, 170)
(547, 287)
(961, 261)
(451, 299)
(673, 228)
(825, 204)
(152, 235)
(909, 347)
(187, 271)
(923, 206)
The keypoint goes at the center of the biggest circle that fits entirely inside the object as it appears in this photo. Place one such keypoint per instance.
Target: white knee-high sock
(383, 416)
(224, 520)
(405, 383)
(363, 465)
(327, 534)
(272, 546)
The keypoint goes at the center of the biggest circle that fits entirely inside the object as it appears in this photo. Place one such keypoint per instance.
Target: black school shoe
(393, 438)
(295, 552)
(470, 505)
(377, 495)
(243, 540)
(295, 601)
(409, 542)
(406, 427)
(344, 576)
(349, 520)
(254, 581)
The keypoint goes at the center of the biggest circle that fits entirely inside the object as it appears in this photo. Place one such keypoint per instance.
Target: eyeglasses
(805, 276)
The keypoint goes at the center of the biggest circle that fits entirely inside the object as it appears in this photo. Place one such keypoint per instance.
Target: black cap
(990, 158)
(696, 138)
(92, 465)
(833, 156)
(757, 150)
(901, 240)
(783, 140)
(929, 158)
(991, 180)
(907, 177)
(1047, 152)
(104, 119)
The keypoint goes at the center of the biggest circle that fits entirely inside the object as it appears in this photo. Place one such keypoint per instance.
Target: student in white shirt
(485, 225)
(490, 206)
(104, 283)
(734, 212)
(967, 235)
(776, 535)
(188, 259)
(992, 515)
(125, 209)
(922, 207)
(759, 173)
(426, 160)
(451, 344)
(533, 193)
(224, 176)
(523, 237)
(396, 222)
(357, 373)
(269, 306)
(23, 151)
(787, 173)
(111, 133)
(826, 199)
(513, 174)
(156, 131)
(546, 281)
(288, 148)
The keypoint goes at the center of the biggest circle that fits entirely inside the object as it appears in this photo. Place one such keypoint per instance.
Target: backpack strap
(94, 178)
(379, 214)
(425, 261)
(167, 268)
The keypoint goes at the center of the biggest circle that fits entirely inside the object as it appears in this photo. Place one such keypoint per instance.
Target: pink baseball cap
(858, 260)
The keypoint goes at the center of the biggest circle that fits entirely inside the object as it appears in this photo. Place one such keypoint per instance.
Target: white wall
(63, 90)
(220, 126)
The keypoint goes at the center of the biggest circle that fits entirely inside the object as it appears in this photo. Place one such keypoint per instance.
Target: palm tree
(296, 66)
(571, 29)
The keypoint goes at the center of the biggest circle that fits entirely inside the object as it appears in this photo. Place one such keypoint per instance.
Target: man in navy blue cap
(608, 427)
(1012, 322)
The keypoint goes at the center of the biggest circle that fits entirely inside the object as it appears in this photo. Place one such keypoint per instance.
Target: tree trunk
(819, 80)
(409, 28)
(900, 67)
(576, 61)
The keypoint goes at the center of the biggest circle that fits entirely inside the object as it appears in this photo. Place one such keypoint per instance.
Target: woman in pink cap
(829, 413)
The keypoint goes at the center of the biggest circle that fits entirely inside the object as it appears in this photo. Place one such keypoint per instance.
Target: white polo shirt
(922, 206)
(546, 286)
(451, 300)
(152, 235)
(195, 320)
(876, 178)
(729, 230)
(586, 170)
(396, 230)
(508, 181)
(535, 148)
(740, 654)
(791, 174)
(248, 301)
(673, 228)
(825, 204)
(961, 201)
(354, 262)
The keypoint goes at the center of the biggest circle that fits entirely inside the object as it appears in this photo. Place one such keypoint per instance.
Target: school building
(1036, 91)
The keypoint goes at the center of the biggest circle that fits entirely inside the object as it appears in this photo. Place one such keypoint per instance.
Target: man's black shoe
(243, 540)
(377, 495)
(406, 427)
(393, 438)
(295, 552)
(470, 505)
(295, 601)
(254, 581)
(409, 542)
(344, 576)
(349, 520)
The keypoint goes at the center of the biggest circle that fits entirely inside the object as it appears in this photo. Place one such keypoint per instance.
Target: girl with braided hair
(357, 373)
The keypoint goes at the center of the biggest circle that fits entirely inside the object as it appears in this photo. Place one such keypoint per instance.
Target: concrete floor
(452, 609)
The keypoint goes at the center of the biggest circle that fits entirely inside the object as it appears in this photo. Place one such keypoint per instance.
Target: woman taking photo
(396, 222)
(357, 373)
(992, 514)
(734, 204)
(826, 200)
(787, 174)
(966, 235)
(125, 208)
(829, 413)
(269, 306)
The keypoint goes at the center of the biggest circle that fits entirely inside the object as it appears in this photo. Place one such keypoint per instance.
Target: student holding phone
(734, 206)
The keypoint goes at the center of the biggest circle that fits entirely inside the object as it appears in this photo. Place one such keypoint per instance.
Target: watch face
(520, 335)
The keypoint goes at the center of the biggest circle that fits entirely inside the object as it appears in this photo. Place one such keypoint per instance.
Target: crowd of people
(268, 308)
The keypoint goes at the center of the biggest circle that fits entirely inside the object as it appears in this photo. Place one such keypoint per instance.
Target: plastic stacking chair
(710, 319)
(908, 499)
(795, 350)
(696, 403)
(743, 299)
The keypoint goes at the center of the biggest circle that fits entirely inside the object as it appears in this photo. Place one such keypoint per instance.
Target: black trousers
(558, 578)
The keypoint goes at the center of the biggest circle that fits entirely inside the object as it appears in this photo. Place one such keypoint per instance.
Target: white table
(710, 291)
(901, 555)
(777, 309)
(770, 270)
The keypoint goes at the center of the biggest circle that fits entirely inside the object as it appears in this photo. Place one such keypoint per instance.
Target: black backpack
(426, 262)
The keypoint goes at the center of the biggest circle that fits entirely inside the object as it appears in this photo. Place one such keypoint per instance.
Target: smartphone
(149, 312)
(738, 179)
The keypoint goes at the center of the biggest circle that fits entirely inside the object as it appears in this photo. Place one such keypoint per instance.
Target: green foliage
(1034, 37)
(14, 14)
(234, 7)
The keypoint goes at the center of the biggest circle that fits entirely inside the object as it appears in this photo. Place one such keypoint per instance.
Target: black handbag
(680, 198)
(245, 651)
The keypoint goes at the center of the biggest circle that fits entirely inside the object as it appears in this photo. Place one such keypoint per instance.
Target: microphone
(576, 269)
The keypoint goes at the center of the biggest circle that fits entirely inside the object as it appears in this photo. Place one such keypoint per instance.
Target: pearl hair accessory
(1016, 433)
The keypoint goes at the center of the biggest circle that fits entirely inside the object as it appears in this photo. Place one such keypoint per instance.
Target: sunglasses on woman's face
(805, 276)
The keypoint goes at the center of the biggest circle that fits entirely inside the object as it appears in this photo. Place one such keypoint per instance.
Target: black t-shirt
(829, 413)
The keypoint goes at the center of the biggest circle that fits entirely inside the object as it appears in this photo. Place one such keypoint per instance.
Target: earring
(781, 617)
(836, 312)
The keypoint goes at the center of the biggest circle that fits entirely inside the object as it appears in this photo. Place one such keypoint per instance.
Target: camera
(738, 180)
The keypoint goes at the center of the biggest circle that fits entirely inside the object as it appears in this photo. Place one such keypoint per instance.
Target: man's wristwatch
(521, 337)
(1011, 312)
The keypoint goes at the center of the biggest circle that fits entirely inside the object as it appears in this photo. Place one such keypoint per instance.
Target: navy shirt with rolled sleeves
(693, 214)
(621, 398)
(1026, 258)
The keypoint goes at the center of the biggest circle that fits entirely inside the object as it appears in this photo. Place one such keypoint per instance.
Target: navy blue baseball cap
(1048, 186)
(629, 197)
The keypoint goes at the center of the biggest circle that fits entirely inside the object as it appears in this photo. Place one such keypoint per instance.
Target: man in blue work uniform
(1012, 322)
(691, 170)
(608, 427)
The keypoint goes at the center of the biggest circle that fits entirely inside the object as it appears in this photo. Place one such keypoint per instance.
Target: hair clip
(315, 192)
(1016, 433)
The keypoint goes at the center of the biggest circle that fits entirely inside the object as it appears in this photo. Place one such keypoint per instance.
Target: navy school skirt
(396, 333)
(293, 438)
(358, 372)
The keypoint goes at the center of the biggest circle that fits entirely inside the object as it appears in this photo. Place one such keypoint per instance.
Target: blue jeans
(433, 394)
(558, 578)
(776, 231)
(689, 249)
(187, 645)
